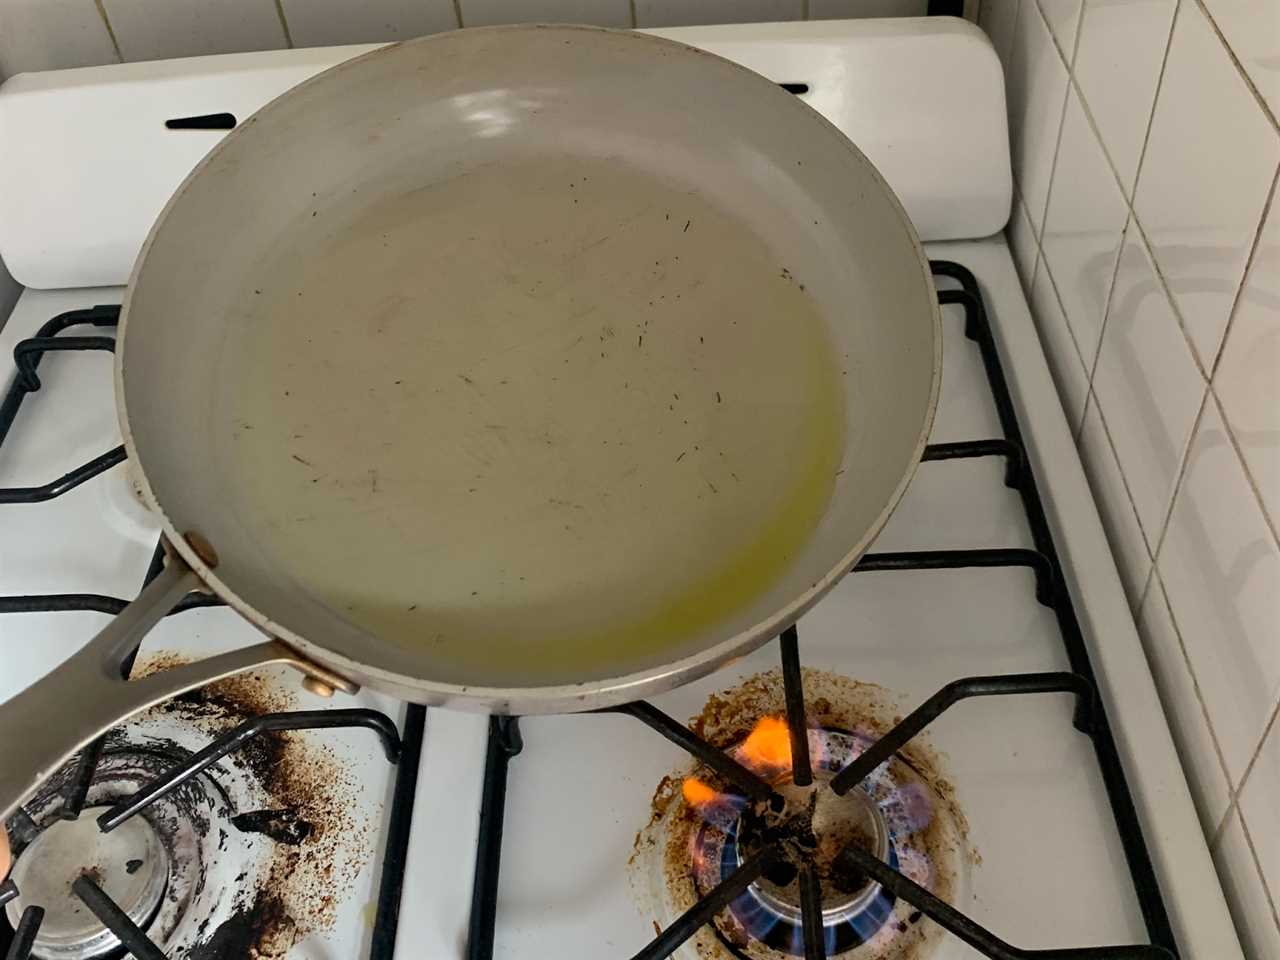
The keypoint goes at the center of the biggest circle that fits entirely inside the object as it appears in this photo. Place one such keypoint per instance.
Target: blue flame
(761, 923)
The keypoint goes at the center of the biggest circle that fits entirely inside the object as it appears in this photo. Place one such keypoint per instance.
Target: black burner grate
(1090, 719)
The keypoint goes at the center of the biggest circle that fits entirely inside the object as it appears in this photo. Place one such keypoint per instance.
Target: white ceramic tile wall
(51, 34)
(1148, 127)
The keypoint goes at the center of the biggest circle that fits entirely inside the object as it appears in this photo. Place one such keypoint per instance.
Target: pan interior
(515, 365)
(547, 415)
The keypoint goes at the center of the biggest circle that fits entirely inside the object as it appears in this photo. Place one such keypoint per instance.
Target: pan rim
(590, 694)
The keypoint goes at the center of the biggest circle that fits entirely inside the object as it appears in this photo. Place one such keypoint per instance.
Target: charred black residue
(282, 826)
(240, 935)
(132, 866)
(319, 840)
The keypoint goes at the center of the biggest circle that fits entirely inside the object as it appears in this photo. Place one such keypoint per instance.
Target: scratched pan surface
(529, 369)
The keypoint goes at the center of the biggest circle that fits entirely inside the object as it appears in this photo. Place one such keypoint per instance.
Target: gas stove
(960, 749)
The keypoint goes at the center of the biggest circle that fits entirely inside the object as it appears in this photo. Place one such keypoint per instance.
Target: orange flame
(697, 793)
(768, 745)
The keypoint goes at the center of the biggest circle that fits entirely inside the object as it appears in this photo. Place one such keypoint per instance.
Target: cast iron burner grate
(402, 750)
(1089, 718)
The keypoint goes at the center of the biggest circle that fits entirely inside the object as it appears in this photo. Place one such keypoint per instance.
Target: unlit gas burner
(168, 868)
(129, 864)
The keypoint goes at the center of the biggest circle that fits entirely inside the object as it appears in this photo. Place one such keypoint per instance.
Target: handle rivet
(202, 547)
(317, 686)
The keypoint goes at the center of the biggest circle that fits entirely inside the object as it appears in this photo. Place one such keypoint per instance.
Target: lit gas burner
(902, 814)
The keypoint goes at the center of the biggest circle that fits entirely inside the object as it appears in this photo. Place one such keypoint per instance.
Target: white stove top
(1052, 870)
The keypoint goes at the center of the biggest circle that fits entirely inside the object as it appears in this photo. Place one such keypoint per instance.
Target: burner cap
(129, 864)
(815, 824)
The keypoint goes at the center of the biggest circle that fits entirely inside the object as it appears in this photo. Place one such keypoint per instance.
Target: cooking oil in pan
(545, 421)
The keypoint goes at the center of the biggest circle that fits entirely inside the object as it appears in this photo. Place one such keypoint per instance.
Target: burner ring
(130, 864)
(835, 822)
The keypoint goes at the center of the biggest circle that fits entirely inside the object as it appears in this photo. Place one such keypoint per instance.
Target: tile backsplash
(1147, 236)
(52, 34)
(1146, 233)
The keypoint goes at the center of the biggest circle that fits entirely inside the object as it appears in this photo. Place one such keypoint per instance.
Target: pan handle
(43, 726)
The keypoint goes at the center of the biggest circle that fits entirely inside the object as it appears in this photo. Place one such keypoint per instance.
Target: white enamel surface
(1148, 386)
(116, 114)
(121, 107)
(1221, 568)
(1207, 129)
(1117, 65)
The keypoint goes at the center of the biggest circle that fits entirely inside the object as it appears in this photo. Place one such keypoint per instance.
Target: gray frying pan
(527, 370)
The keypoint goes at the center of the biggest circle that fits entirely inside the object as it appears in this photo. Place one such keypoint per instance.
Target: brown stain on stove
(834, 702)
(299, 891)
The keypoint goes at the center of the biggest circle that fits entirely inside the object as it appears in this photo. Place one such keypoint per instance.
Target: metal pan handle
(43, 726)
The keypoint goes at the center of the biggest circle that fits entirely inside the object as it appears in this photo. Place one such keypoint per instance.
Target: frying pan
(523, 369)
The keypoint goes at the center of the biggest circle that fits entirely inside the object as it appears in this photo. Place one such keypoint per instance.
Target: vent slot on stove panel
(205, 121)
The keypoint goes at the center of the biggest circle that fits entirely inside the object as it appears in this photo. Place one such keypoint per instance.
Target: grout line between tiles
(1146, 136)
(1147, 539)
(1177, 483)
(1092, 370)
(457, 11)
(284, 23)
(1244, 465)
(1151, 573)
(1038, 232)
(1158, 584)
(111, 31)
(1053, 289)
(1248, 268)
(631, 12)
(1257, 751)
(1257, 865)
(1244, 74)
(1068, 61)
(1020, 203)
(1151, 117)
(1168, 293)
(1244, 277)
